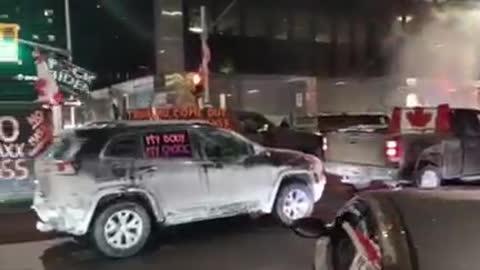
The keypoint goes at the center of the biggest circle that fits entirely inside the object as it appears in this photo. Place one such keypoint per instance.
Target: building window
(301, 25)
(51, 38)
(195, 24)
(322, 29)
(255, 22)
(280, 24)
(35, 37)
(48, 12)
(50, 21)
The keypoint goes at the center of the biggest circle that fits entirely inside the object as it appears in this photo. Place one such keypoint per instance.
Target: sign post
(205, 54)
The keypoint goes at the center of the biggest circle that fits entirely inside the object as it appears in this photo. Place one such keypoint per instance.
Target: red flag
(46, 86)
(365, 247)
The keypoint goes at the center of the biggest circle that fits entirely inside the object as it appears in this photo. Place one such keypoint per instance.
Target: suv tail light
(65, 167)
(392, 150)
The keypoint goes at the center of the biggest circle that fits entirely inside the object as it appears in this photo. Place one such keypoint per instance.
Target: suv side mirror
(310, 228)
(264, 129)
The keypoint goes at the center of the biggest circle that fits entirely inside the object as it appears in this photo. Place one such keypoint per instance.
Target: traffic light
(9, 42)
(198, 87)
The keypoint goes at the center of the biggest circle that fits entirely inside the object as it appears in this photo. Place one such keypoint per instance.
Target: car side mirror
(310, 228)
(264, 129)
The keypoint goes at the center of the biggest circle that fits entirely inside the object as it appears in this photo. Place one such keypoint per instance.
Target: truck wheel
(294, 201)
(121, 229)
(429, 177)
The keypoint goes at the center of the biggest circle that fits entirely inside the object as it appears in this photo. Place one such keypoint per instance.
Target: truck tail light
(392, 150)
(65, 167)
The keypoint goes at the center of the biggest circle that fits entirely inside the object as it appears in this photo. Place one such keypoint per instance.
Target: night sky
(113, 33)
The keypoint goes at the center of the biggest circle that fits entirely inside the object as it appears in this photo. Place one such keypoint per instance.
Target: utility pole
(205, 54)
(68, 35)
(68, 30)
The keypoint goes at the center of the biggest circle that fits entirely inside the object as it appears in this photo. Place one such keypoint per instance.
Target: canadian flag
(368, 255)
(45, 85)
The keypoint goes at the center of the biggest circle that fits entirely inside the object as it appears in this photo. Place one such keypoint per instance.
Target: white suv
(110, 182)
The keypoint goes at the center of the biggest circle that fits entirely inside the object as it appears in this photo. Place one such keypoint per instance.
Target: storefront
(25, 132)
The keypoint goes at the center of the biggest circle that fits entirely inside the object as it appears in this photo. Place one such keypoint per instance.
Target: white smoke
(443, 54)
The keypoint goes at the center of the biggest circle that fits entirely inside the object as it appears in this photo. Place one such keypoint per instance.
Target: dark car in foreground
(110, 182)
(406, 229)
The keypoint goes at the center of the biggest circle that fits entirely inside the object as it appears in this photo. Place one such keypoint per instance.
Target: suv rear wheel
(121, 229)
(429, 177)
(294, 201)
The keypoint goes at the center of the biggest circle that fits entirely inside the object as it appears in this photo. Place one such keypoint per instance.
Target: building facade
(305, 37)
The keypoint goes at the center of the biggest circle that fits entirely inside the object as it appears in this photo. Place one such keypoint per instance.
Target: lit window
(412, 100)
(50, 20)
(194, 20)
(48, 12)
(51, 38)
(36, 37)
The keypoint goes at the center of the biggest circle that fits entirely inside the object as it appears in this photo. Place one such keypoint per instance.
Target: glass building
(305, 37)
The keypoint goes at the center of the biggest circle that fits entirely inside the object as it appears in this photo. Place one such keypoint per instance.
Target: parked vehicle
(407, 229)
(258, 128)
(111, 181)
(423, 145)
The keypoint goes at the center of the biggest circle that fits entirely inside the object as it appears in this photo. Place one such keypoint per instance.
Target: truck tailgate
(356, 147)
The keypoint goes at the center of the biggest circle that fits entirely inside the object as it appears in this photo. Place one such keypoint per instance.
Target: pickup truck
(323, 123)
(422, 146)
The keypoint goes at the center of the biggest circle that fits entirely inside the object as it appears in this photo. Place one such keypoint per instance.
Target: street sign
(9, 43)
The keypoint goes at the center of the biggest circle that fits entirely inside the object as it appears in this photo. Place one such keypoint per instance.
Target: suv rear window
(124, 147)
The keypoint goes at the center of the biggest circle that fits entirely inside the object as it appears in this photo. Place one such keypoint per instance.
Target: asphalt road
(233, 243)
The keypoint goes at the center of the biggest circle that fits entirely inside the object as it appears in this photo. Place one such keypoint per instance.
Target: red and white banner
(368, 255)
(46, 86)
